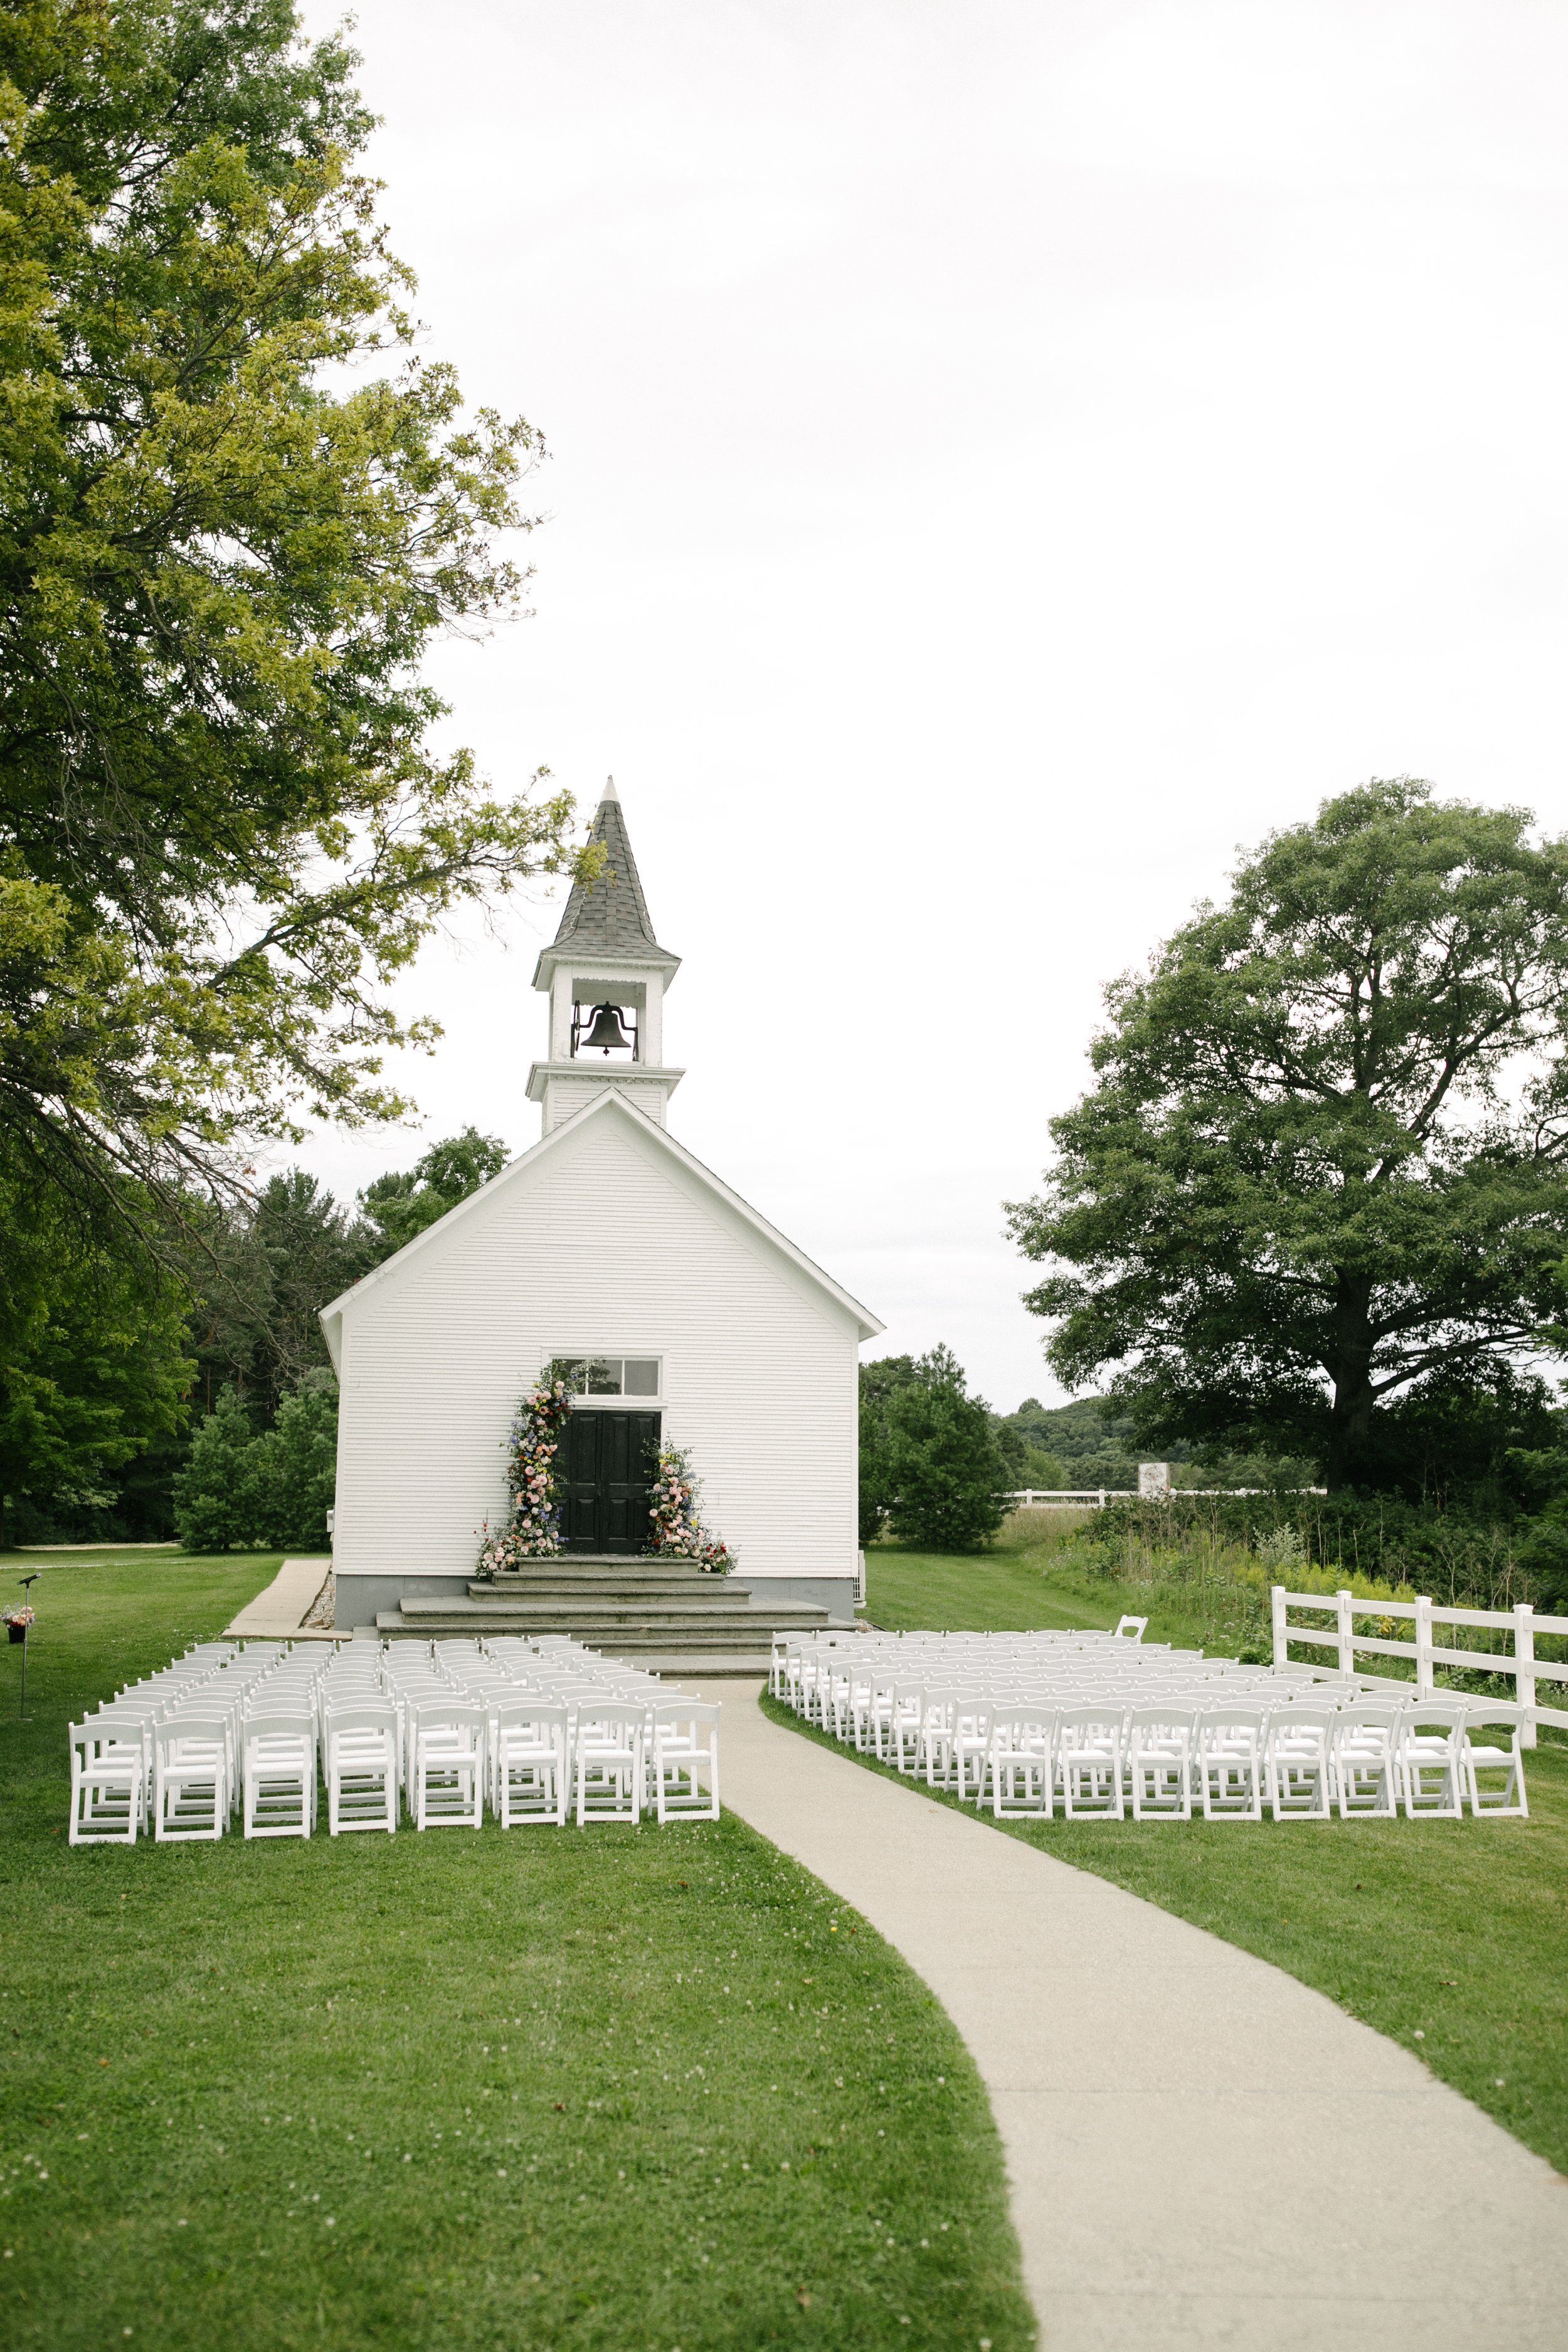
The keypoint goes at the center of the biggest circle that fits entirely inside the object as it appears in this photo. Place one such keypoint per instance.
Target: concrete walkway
(276, 1611)
(1201, 2150)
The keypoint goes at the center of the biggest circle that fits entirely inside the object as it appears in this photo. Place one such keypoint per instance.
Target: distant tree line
(140, 1399)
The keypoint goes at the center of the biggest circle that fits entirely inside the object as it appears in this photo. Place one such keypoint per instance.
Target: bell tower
(605, 976)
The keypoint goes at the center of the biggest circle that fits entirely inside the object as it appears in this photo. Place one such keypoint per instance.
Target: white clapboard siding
(606, 1238)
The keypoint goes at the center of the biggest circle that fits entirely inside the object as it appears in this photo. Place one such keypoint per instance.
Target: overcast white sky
(1006, 456)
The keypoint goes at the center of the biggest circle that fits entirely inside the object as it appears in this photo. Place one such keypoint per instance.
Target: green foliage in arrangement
(236, 505)
(1321, 1169)
(677, 2027)
(929, 1464)
(244, 1491)
(1451, 1928)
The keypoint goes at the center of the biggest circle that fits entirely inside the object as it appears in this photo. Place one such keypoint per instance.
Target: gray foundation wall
(360, 1598)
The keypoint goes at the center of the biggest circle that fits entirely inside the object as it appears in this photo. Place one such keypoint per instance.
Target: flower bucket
(17, 1632)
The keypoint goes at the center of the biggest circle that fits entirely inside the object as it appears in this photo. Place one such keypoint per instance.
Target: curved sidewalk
(1201, 2151)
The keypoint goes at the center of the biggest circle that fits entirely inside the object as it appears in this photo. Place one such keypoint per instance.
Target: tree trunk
(1350, 1368)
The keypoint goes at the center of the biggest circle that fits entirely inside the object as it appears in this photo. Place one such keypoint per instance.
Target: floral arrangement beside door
(674, 1531)
(534, 1530)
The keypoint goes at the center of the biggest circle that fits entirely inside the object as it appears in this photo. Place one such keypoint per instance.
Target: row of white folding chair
(1368, 1756)
(1300, 1759)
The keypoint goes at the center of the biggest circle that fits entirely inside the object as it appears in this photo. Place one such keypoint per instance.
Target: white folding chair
(936, 1750)
(1089, 1759)
(1229, 1743)
(107, 1776)
(907, 1726)
(190, 1779)
(447, 1765)
(1296, 1763)
(1160, 1762)
(1130, 1629)
(359, 1740)
(971, 1746)
(533, 1777)
(608, 1762)
(683, 1759)
(1365, 1754)
(1503, 1765)
(1431, 1758)
(1022, 1761)
(279, 1776)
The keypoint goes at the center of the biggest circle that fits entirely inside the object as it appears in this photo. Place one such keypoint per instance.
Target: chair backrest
(279, 1727)
(512, 1713)
(1496, 1715)
(445, 1714)
(1130, 1629)
(1449, 1715)
(192, 1731)
(611, 1714)
(366, 1716)
(1348, 1720)
(1162, 1718)
(1214, 1715)
(1095, 1715)
(687, 1710)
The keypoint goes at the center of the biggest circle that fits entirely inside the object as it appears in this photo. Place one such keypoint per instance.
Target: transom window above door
(606, 1376)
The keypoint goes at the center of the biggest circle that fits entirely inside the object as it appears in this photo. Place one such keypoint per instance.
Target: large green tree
(236, 506)
(1322, 1167)
(93, 1368)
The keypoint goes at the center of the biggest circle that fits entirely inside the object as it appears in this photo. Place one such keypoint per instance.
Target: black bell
(607, 1030)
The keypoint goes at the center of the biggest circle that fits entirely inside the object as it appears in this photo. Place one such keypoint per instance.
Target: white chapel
(682, 1315)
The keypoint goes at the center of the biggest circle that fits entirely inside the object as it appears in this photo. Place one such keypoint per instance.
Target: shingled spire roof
(610, 917)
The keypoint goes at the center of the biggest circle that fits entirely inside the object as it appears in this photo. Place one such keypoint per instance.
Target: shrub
(215, 1493)
(946, 1475)
(238, 1491)
(294, 1469)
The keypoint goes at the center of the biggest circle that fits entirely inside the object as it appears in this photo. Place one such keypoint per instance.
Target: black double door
(611, 1459)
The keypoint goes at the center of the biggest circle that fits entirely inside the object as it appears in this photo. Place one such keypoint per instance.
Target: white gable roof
(611, 1104)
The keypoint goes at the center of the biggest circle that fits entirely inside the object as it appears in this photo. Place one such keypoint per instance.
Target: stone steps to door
(680, 1622)
(669, 1621)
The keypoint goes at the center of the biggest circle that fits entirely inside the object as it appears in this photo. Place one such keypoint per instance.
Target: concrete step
(729, 1633)
(610, 1598)
(604, 1583)
(564, 1616)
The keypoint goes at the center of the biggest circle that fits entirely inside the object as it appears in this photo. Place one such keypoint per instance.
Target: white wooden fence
(1520, 1664)
(1086, 1498)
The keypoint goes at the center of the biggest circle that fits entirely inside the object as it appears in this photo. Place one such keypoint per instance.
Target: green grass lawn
(1028, 1580)
(615, 2088)
(1453, 1931)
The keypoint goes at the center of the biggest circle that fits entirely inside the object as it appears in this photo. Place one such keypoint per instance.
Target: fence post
(1345, 1626)
(1524, 1664)
(1281, 1627)
(1425, 1685)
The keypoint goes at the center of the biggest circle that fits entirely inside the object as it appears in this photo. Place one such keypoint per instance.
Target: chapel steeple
(605, 975)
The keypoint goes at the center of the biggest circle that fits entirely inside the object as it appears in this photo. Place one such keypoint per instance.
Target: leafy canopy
(929, 1464)
(1321, 1169)
(400, 1205)
(236, 506)
(93, 1365)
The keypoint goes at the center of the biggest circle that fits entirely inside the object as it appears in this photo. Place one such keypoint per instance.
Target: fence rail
(1096, 1497)
(1520, 1664)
